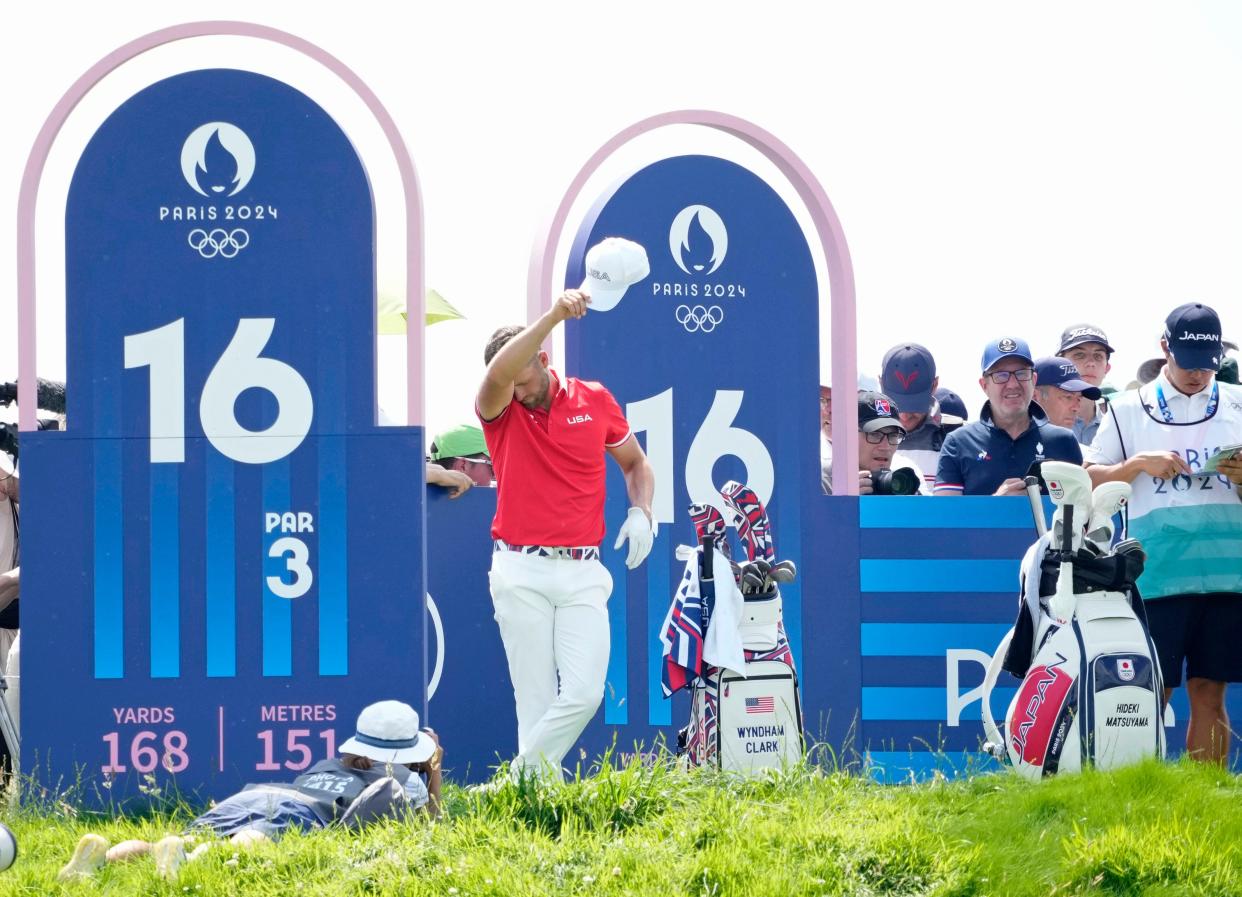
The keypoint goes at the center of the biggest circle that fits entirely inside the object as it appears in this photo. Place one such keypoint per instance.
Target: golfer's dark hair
(497, 341)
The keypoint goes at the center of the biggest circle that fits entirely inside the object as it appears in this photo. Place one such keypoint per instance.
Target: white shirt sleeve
(1106, 447)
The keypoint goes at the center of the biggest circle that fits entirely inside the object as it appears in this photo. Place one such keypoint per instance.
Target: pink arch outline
(828, 227)
(415, 337)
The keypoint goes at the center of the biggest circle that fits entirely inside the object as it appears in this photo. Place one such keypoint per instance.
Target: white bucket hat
(613, 266)
(388, 733)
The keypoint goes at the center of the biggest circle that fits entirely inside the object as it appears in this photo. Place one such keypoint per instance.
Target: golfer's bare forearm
(518, 352)
(640, 485)
(1124, 472)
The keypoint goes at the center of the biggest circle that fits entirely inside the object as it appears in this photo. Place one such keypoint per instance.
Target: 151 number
(294, 748)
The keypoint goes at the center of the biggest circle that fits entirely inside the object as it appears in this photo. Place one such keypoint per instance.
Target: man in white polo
(1158, 438)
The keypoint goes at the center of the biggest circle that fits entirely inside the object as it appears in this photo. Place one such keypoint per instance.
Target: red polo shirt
(550, 467)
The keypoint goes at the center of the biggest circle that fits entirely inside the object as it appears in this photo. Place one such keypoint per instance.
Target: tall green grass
(649, 829)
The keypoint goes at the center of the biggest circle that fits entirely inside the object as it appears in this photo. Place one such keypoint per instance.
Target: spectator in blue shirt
(991, 456)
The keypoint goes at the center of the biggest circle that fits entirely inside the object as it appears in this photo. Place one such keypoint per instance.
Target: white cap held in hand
(612, 266)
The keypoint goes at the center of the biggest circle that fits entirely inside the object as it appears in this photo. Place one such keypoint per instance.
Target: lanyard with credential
(1207, 412)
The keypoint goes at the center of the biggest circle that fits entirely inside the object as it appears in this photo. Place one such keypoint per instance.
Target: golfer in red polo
(548, 435)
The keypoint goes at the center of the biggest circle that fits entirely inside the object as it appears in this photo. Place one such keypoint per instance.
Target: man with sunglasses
(879, 434)
(992, 455)
(463, 449)
(1158, 438)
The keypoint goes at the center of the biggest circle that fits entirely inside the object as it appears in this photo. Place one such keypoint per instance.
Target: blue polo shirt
(977, 457)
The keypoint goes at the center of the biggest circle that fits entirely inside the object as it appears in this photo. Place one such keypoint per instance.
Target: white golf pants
(553, 616)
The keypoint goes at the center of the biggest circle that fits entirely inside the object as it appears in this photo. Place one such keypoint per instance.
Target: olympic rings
(699, 318)
(219, 242)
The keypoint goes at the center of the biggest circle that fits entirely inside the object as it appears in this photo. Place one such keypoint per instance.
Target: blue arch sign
(219, 544)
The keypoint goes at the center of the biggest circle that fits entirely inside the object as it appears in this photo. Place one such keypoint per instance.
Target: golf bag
(745, 708)
(1091, 691)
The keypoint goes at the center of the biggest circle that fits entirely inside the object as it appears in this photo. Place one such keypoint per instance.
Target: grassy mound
(1152, 829)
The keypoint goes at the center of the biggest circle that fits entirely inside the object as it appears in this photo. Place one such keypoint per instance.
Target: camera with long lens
(902, 481)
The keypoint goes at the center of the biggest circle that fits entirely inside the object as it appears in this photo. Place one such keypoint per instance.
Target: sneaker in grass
(88, 856)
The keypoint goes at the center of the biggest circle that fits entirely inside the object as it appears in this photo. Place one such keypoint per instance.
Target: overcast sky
(998, 169)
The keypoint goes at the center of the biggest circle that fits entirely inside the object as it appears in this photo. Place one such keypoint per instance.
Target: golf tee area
(651, 829)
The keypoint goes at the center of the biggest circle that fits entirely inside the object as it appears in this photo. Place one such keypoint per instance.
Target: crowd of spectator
(1035, 409)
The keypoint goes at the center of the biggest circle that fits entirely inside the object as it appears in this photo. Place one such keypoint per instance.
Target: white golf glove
(641, 533)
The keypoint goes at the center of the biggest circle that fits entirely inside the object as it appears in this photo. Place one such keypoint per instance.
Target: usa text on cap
(1193, 334)
(907, 375)
(612, 266)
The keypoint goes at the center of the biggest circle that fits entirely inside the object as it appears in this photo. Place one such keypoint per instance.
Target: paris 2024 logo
(218, 161)
(698, 242)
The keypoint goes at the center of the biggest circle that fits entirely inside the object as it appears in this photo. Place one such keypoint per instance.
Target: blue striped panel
(221, 566)
(964, 512)
(900, 767)
(165, 572)
(617, 689)
(331, 530)
(277, 611)
(992, 544)
(928, 639)
(109, 562)
(922, 607)
(921, 735)
(922, 703)
(938, 575)
(659, 594)
(901, 671)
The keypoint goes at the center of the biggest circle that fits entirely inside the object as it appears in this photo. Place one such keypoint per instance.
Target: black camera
(8, 434)
(902, 481)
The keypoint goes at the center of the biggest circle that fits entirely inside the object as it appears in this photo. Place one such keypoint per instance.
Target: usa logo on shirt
(984, 456)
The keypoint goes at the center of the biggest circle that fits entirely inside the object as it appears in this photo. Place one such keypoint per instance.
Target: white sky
(997, 169)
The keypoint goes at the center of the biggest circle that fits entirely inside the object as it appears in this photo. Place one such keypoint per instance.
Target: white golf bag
(1092, 692)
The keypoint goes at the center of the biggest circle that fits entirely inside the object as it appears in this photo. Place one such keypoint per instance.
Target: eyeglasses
(894, 437)
(1020, 375)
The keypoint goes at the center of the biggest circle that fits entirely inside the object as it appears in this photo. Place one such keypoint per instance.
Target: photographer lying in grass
(386, 769)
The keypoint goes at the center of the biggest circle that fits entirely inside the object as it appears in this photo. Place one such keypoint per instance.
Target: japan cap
(388, 733)
(612, 266)
(1193, 334)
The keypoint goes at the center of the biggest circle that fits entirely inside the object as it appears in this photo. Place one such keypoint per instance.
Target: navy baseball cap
(907, 376)
(951, 403)
(876, 411)
(1057, 371)
(1193, 334)
(1006, 347)
(1077, 334)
